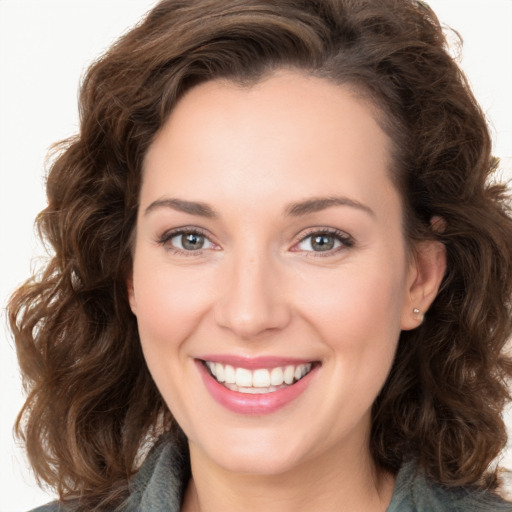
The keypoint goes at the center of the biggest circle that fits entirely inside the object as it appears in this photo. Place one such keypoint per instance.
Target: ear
(426, 272)
(131, 293)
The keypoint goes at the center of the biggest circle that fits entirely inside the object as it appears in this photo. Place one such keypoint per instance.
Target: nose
(252, 300)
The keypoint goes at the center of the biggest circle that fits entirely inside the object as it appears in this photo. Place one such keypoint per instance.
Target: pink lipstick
(255, 386)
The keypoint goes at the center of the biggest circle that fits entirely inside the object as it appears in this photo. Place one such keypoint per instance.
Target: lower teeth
(253, 391)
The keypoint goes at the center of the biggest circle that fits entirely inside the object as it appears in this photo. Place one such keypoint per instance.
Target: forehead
(286, 136)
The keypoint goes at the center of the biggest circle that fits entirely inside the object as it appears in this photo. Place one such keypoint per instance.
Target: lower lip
(258, 404)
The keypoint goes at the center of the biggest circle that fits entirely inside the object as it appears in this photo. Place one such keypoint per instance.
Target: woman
(279, 267)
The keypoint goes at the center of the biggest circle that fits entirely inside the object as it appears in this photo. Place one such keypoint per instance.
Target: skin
(258, 287)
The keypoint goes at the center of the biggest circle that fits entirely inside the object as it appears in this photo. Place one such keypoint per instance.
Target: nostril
(251, 320)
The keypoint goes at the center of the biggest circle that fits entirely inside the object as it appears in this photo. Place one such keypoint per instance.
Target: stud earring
(418, 314)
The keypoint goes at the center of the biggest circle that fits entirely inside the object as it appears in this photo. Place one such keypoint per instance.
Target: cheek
(354, 299)
(357, 313)
(362, 334)
(169, 303)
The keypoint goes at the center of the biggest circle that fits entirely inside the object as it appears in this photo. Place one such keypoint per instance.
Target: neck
(332, 482)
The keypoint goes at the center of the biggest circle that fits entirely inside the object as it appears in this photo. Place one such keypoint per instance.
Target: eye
(186, 241)
(324, 241)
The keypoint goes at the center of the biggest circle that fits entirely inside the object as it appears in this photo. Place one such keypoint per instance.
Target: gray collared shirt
(160, 483)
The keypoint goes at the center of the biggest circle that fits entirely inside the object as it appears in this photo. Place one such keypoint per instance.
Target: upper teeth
(260, 378)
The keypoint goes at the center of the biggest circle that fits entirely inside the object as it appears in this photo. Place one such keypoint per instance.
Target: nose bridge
(252, 301)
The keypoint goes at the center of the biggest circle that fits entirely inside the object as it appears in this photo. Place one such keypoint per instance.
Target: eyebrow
(295, 209)
(191, 207)
(317, 204)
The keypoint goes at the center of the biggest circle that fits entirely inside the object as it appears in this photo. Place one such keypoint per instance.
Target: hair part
(91, 402)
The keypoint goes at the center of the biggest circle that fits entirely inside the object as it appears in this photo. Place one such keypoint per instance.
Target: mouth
(258, 381)
(256, 386)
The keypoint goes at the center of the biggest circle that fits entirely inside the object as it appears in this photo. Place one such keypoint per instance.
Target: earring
(418, 314)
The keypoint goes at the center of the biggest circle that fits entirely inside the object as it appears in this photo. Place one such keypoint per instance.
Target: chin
(259, 463)
(265, 456)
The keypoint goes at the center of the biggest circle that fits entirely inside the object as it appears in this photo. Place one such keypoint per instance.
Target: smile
(258, 381)
(256, 386)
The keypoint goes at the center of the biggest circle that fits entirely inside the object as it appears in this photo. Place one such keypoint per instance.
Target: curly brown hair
(92, 404)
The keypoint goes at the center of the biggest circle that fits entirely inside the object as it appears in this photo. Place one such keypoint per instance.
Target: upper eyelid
(170, 233)
(323, 230)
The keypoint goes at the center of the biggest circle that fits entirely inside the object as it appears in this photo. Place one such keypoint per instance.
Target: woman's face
(269, 245)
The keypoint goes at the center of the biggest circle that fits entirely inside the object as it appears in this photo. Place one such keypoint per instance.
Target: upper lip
(253, 363)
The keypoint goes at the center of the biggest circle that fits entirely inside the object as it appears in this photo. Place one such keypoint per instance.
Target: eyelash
(169, 235)
(346, 241)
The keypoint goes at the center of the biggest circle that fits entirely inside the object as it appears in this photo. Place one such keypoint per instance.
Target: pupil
(193, 241)
(323, 242)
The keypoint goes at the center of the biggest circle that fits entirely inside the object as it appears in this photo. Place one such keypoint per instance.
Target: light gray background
(45, 46)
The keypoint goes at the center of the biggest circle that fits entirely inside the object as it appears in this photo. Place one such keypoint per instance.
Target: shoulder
(158, 484)
(415, 493)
